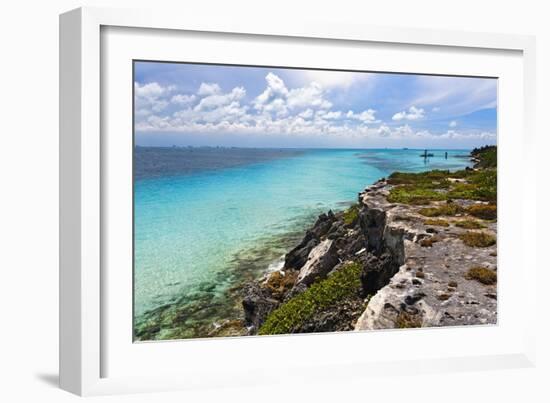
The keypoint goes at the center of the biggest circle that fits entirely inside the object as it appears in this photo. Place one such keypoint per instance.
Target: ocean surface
(208, 219)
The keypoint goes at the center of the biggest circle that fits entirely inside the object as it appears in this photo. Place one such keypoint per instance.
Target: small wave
(276, 265)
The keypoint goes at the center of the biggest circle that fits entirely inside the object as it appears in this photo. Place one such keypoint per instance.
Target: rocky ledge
(416, 250)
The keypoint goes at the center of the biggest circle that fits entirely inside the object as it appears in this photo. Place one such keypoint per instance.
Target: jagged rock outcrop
(320, 262)
(432, 286)
(414, 272)
(257, 303)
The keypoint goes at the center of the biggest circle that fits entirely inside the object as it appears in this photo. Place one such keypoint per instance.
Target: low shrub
(405, 321)
(484, 211)
(351, 215)
(477, 239)
(482, 274)
(290, 315)
(411, 194)
(469, 224)
(439, 223)
(449, 209)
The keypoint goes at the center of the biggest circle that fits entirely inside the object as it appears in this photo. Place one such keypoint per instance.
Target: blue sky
(194, 104)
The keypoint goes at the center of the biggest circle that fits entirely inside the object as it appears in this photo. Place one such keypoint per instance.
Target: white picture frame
(83, 168)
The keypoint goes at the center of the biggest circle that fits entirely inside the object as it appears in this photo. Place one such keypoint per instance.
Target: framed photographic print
(232, 197)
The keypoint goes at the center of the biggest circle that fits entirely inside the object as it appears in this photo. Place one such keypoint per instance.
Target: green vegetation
(478, 239)
(289, 316)
(429, 179)
(487, 156)
(405, 321)
(449, 209)
(424, 187)
(439, 223)
(351, 215)
(410, 194)
(482, 274)
(470, 224)
(484, 211)
(418, 188)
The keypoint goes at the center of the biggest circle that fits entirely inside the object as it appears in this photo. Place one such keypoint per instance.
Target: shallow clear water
(194, 227)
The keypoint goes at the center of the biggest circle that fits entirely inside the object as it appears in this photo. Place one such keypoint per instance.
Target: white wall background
(29, 187)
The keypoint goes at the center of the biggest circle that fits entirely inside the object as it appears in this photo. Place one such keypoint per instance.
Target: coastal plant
(482, 274)
(449, 209)
(351, 215)
(406, 320)
(478, 239)
(484, 211)
(412, 194)
(436, 222)
(469, 224)
(343, 284)
(485, 183)
(487, 157)
(428, 179)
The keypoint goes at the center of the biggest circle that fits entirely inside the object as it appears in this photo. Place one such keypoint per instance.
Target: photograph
(273, 200)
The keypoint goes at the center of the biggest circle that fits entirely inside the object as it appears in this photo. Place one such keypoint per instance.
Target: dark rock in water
(377, 272)
(319, 263)
(373, 223)
(257, 304)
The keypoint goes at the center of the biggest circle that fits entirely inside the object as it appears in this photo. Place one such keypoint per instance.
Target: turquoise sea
(206, 220)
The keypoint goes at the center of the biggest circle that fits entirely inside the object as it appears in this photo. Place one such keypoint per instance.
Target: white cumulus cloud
(413, 113)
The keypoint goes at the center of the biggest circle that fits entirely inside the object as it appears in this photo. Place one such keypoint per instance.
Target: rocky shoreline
(416, 250)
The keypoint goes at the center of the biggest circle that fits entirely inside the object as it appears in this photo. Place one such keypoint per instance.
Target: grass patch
(429, 179)
(406, 321)
(485, 183)
(470, 224)
(482, 274)
(439, 223)
(449, 209)
(484, 211)
(351, 215)
(478, 239)
(289, 316)
(412, 194)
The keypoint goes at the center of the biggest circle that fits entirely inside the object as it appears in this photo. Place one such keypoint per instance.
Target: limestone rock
(319, 263)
